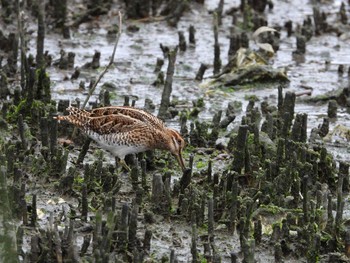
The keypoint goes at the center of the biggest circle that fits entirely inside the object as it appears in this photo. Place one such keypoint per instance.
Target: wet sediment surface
(316, 70)
(280, 188)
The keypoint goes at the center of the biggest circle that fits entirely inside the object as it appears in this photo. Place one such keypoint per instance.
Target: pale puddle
(133, 74)
(137, 53)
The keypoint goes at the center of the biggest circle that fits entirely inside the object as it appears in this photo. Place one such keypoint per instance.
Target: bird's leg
(123, 163)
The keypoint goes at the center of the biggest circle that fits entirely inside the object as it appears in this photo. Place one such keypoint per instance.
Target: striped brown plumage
(124, 130)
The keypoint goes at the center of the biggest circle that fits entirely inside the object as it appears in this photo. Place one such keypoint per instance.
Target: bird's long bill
(181, 161)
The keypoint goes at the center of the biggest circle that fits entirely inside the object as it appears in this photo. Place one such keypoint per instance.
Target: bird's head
(176, 145)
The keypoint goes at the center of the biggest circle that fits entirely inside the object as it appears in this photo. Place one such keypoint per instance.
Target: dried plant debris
(251, 66)
(340, 134)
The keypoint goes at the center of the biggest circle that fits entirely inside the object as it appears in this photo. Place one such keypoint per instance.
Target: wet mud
(268, 161)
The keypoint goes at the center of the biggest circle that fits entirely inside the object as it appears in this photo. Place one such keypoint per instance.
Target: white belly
(117, 149)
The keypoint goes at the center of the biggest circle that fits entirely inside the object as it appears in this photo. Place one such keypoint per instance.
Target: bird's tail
(76, 116)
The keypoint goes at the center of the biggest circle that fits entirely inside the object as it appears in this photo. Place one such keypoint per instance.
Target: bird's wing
(136, 114)
(114, 123)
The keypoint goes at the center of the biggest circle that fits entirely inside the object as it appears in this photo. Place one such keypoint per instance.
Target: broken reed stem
(34, 215)
(22, 45)
(165, 102)
(8, 251)
(41, 35)
(217, 60)
(92, 89)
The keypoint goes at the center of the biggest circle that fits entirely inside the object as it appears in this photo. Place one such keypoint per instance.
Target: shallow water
(137, 53)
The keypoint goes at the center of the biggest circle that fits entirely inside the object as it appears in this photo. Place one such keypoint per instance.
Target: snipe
(125, 130)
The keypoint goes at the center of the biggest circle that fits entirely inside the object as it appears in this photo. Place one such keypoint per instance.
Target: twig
(301, 93)
(150, 19)
(92, 89)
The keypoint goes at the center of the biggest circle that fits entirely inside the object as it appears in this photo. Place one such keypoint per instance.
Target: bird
(124, 130)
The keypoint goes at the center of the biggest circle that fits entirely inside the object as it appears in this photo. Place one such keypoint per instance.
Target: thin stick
(91, 91)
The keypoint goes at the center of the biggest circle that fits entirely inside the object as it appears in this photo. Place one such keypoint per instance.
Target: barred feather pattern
(124, 130)
(76, 116)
